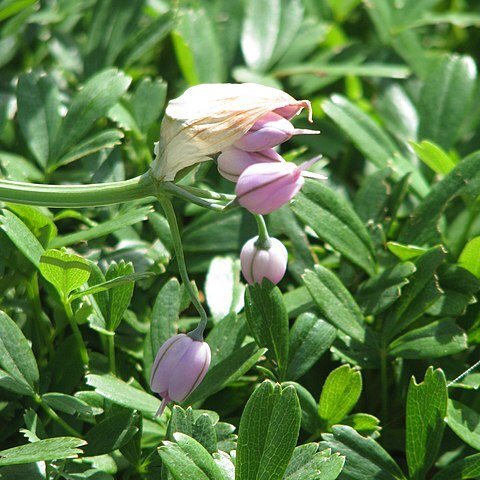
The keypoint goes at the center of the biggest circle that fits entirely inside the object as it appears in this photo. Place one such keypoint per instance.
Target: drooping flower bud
(179, 367)
(210, 118)
(265, 187)
(268, 131)
(232, 162)
(259, 263)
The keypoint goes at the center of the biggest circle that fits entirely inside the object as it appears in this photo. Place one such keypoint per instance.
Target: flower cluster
(241, 125)
(265, 181)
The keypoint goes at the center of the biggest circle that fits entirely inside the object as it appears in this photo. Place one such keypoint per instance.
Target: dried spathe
(210, 118)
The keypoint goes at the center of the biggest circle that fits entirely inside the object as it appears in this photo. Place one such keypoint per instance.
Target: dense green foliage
(353, 353)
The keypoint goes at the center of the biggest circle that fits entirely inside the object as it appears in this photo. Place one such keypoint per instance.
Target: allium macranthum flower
(264, 187)
(263, 261)
(179, 367)
(210, 118)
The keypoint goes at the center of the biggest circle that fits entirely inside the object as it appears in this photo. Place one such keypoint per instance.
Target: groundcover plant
(239, 239)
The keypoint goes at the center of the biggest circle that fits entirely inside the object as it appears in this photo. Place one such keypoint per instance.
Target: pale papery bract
(210, 118)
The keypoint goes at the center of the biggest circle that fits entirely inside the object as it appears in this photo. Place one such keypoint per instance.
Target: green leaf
(114, 283)
(310, 337)
(197, 48)
(61, 402)
(113, 23)
(422, 226)
(199, 425)
(65, 271)
(187, 459)
(334, 221)
(9, 8)
(469, 258)
(204, 432)
(405, 252)
(227, 371)
(366, 458)
(335, 302)
(132, 450)
(310, 419)
(42, 451)
(418, 295)
(371, 139)
(468, 467)
(111, 433)
(458, 288)
(364, 423)
(147, 102)
(17, 168)
(398, 112)
(382, 14)
(118, 298)
(226, 337)
(146, 38)
(123, 394)
(426, 410)
(228, 230)
(444, 99)
(39, 223)
(95, 99)
(260, 32)
(268, 432)
(465, 422)
(269, 28)
(437, 339)
(340, 393)
(38, 113)
(129, 217)
(433, 156)
(21, 236)
(106, 139)
(284, 222)
(268, 321)
(369, 69)
(16, 358)
(371, 199)
(379, 292)
(309, 464)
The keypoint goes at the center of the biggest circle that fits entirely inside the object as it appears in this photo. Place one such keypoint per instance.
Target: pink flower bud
(179, 367)
(259, 263)
(270, 130)
(232, 162)
(265, 187)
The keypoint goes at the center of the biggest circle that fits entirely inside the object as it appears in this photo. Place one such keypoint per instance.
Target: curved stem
(199, 192)
(65, 196)
(167, 206)
(54, 416)
(77, 334)
(180, 192)
(111, 353)
(263, 241)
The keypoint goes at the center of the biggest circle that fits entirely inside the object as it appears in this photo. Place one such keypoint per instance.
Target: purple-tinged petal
(265, 187)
